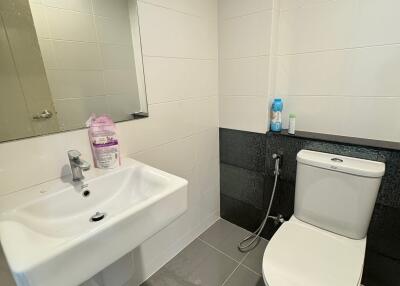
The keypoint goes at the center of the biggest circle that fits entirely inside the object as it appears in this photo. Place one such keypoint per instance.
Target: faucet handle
(74, 154)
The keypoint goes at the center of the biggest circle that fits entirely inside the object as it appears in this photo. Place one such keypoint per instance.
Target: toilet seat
(300, 254)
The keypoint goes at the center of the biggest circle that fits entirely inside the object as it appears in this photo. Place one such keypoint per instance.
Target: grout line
(339, 95)
(244, 57)
(244, 258)
(179, 58)
(236, 268)
(185, 99)
(243, 95)
(220, 251)
(251, 270)
(230, 275)
(247, 14)
(338, 49)
(172, 9)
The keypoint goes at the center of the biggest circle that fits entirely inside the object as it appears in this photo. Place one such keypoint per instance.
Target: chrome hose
(251, 241)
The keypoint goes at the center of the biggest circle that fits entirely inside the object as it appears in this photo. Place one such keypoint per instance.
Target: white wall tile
(169, 33)
(205, 112)
(206, 148)
(246, 36)
(245, 76)
(168, 121)
(40, 153)
(323, 73)
(164, 157)
(244, 113)
(346, 71)
(208, 176)
(375, 71)
(173, 79)
(71, 25)
(235, 8)
(245, 42)
(295, 4)
(368, 71)
(317, 27)
(201, 8)
(364, 117)
(377, 22)
(340, 56)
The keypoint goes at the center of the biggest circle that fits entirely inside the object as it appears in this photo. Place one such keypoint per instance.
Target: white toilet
(323, 244)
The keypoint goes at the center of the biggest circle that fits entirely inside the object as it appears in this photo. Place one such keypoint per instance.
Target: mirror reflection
(62, 60)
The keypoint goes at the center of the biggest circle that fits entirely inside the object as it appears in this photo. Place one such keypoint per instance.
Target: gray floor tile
(225, 236)
(255, 257)
(244, 277)
(197, 264)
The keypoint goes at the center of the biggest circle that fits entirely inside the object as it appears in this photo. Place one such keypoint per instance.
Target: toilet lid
(300, 254)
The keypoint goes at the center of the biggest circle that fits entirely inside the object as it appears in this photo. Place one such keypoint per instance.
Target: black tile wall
(247, 179)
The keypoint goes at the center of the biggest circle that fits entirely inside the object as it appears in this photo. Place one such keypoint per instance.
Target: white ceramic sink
(48, 237)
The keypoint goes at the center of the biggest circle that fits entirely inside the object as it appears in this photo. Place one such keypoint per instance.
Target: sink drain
(98, 216)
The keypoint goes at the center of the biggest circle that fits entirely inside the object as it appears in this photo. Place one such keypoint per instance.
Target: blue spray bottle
(276, 118)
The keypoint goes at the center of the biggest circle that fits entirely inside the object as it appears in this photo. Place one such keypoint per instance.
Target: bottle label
(106, 151)
(276, 117)
(276, 121)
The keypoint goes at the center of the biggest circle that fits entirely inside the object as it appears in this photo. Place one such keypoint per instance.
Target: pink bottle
(104, 142)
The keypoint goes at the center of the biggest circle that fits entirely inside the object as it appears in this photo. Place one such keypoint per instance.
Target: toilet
(323, 243)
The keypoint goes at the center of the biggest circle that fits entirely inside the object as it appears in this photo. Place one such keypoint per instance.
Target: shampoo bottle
(104, 142)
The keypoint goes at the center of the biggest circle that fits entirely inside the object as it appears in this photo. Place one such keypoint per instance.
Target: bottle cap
(292, 115)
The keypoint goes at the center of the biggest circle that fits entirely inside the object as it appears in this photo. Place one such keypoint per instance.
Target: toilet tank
(336, 193)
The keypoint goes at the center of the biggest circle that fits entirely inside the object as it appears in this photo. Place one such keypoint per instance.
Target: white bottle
(292, 124)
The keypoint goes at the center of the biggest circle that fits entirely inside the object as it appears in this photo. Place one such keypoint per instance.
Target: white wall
(339, 66)
(335, 64)
(89, 58)
(180, 136)
(246, 63)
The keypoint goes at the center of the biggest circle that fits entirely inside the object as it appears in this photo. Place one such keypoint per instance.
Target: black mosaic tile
(384, 231)
(242, 184)
(242, 149)
(390, 188)
(380, 270)
(240, 213)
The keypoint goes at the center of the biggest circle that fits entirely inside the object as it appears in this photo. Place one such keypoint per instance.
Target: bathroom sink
(64, 232)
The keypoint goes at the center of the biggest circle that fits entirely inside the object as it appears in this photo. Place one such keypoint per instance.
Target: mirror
(62, 60)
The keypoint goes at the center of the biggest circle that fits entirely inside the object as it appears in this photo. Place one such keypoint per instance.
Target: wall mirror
(62, 60)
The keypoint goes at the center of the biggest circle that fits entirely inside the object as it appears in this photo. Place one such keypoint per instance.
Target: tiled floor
(213, 260)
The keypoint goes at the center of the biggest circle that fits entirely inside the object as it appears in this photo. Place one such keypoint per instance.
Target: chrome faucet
(77, 165)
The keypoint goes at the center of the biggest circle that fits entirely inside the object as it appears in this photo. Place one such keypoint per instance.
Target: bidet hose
(251, 241)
